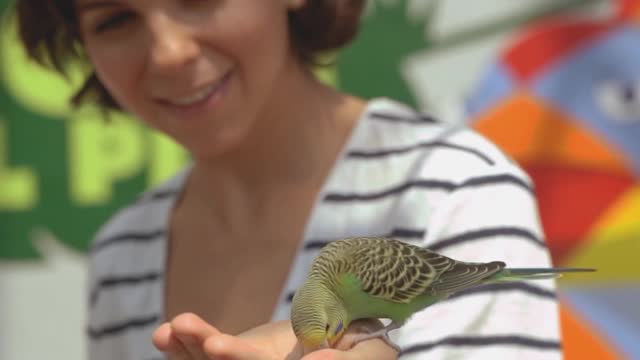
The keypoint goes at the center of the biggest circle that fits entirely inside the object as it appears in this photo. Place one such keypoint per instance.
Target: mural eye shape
(620, 101)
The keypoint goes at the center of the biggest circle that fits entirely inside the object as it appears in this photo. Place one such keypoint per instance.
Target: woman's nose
(173, 44)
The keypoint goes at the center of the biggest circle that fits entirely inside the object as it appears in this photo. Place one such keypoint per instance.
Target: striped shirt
(401, 174)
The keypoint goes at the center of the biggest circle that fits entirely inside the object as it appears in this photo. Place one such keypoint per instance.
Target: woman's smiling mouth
(198, 97)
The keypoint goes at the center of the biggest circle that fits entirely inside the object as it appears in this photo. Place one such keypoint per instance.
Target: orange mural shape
(580, 341)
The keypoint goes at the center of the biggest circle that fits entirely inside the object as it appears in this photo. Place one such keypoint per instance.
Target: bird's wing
(463, 275)
(393, 270)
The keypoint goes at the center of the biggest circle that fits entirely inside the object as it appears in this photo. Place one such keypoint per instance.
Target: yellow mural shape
(102, 152)
(622, 217)
(18, 185)
(614, 243)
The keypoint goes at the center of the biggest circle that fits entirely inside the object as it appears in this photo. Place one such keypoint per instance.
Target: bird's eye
(326, 328)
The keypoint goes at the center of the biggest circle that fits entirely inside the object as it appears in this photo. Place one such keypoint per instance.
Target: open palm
(188, 337)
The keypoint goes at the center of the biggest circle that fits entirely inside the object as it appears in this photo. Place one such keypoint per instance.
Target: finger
(192, 332)
(191, 325)
(164, 340)
(227, 347)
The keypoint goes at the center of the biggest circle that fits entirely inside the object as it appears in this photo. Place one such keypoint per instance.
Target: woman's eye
(113, 21)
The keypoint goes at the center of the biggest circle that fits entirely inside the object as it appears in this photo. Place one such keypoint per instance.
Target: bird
(384, 278)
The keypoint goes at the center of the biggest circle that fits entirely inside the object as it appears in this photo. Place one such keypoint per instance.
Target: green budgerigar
(373, 277)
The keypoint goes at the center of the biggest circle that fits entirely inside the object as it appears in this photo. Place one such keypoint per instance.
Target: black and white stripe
(119, 328)
(111, 282)
(524, 341)
(134, 217)
(486, 233)
(425, 145)
(128, 237)
(157, 196)
(431, 184)
(403, 118)
(497, 179)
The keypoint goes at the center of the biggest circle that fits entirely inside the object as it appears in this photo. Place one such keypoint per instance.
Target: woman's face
(197, 70)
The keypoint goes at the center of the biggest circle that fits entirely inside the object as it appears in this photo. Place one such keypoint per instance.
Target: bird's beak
(332, 341)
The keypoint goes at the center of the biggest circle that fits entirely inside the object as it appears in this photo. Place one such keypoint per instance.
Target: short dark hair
(50, 34)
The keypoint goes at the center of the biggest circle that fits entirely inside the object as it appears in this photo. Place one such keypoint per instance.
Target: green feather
(362, 305)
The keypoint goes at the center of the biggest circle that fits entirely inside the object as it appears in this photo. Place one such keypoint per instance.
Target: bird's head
(318, 318)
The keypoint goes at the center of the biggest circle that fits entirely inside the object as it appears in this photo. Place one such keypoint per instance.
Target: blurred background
(556, 83)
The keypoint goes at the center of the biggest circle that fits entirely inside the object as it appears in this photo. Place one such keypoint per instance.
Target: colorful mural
(563, 99)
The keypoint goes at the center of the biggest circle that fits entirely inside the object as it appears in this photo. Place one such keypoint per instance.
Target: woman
(281, 164)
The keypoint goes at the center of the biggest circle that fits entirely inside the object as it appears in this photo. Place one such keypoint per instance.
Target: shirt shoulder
(147, 213)
(450, 151)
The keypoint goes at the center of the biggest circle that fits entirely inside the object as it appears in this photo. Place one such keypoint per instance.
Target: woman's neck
(288, 153)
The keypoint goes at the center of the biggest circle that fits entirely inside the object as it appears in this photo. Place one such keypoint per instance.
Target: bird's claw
(381, 334)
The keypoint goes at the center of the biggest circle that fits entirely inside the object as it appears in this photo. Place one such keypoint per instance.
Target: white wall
(42, 304)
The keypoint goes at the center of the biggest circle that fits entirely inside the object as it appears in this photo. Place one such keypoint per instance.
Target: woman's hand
(188, 337)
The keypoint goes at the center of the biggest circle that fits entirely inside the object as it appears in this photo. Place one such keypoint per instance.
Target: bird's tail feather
(510, 274)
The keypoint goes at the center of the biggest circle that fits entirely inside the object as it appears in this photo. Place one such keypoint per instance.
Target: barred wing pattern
(397, 271)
